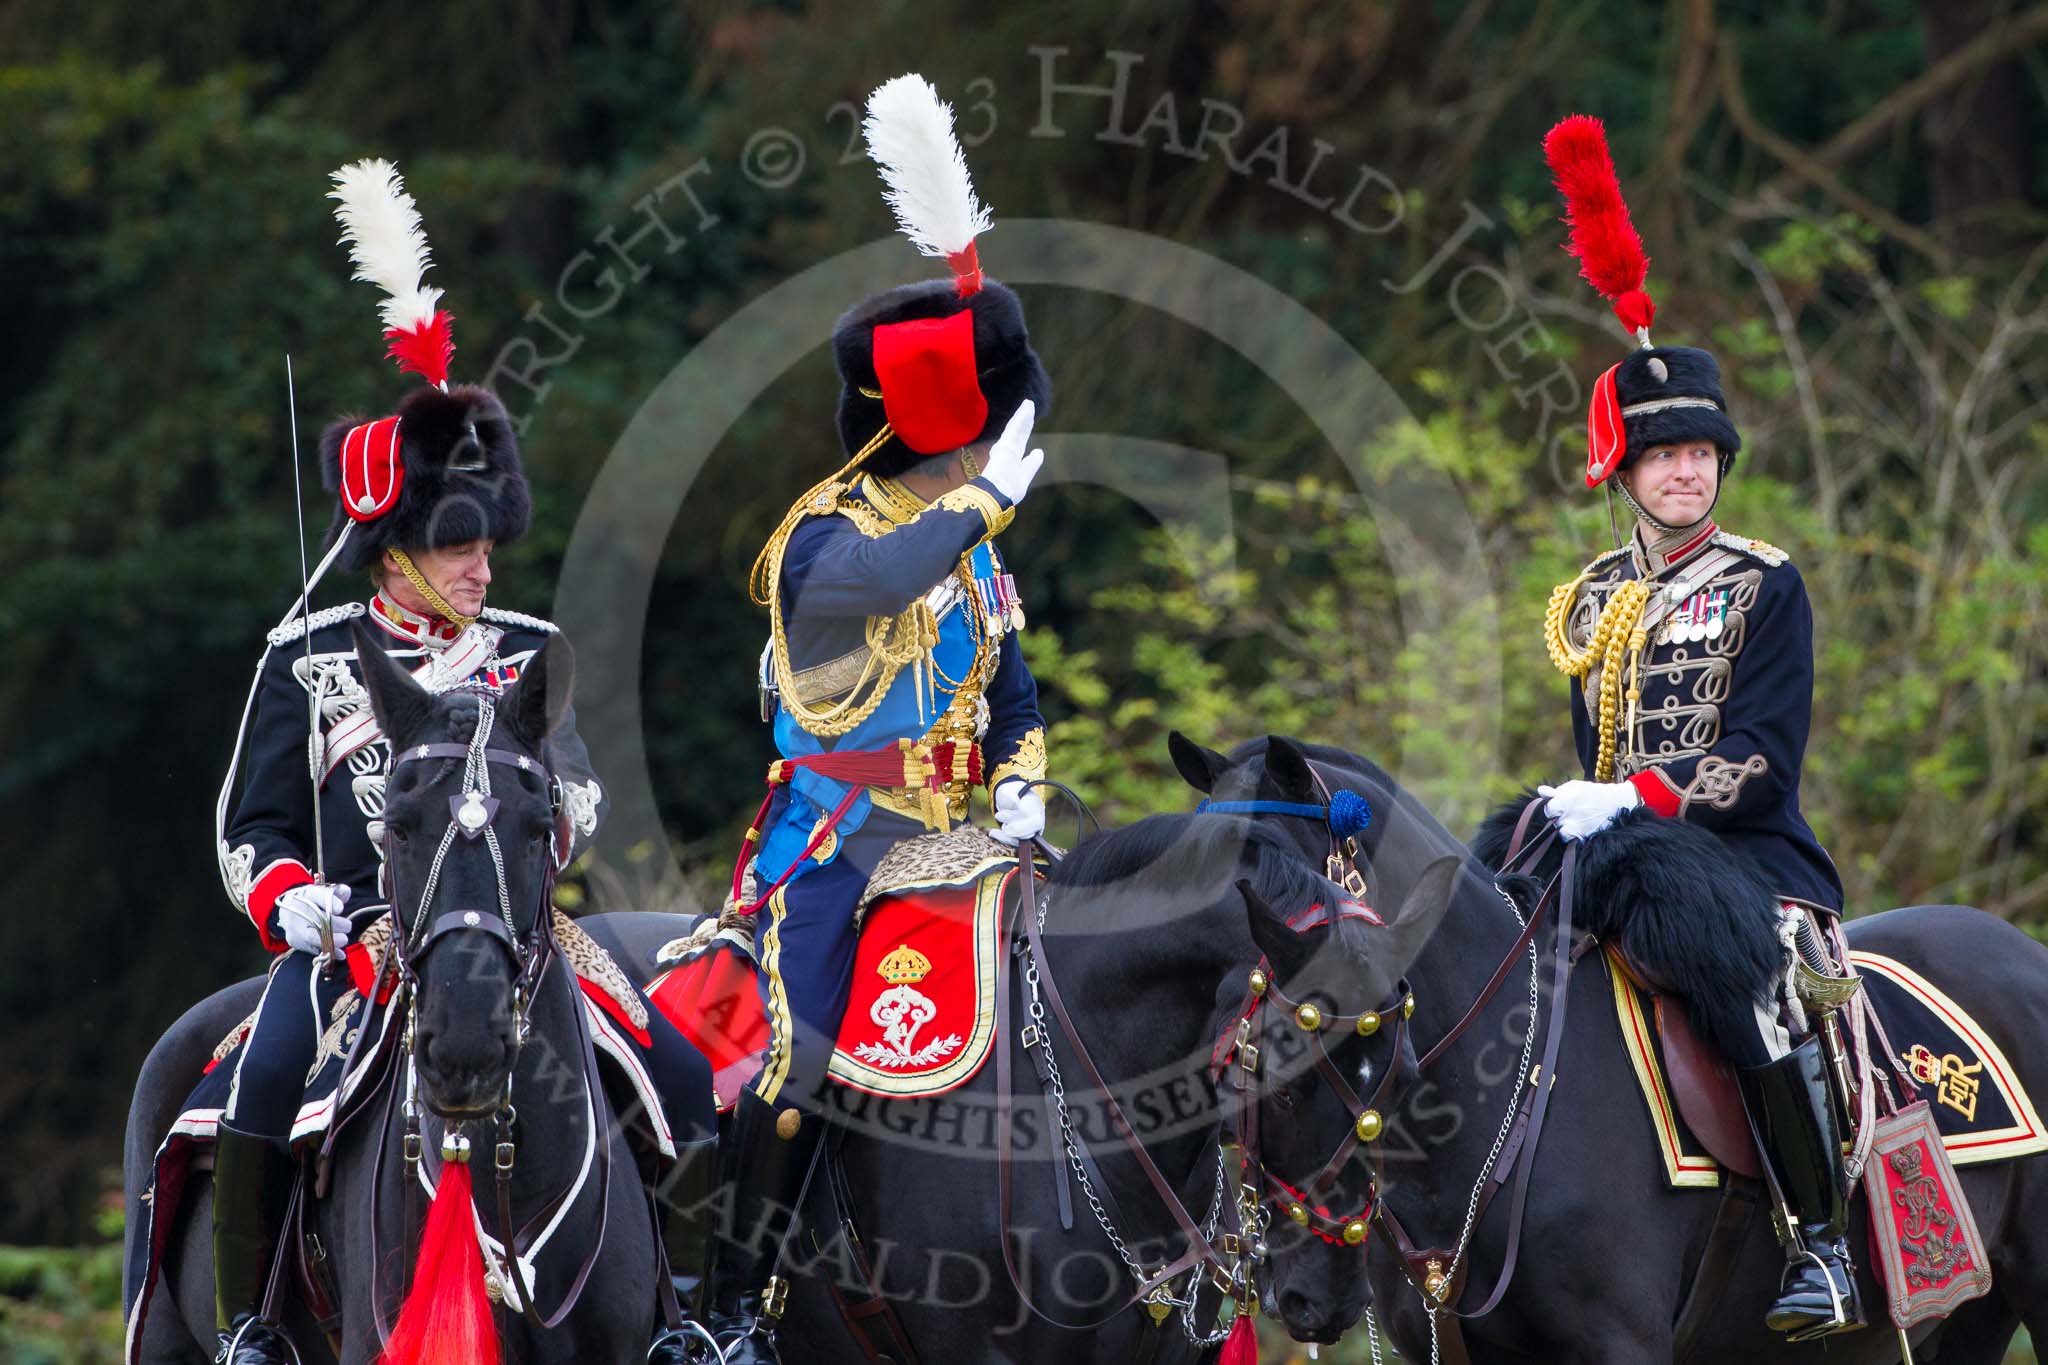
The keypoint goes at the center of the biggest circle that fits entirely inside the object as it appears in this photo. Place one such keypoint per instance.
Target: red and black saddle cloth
(1963, 1105)
(356, 1056)
(921, 1016)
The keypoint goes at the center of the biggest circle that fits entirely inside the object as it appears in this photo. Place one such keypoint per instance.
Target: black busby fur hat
(1656, 374)
(1008, 370)
(463, 479)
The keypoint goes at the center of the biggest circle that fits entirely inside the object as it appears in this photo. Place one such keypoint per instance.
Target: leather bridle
(473, 814)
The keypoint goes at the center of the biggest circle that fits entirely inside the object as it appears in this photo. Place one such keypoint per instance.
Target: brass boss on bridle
(1346, 814)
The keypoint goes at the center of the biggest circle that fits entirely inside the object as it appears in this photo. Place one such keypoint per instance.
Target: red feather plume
(1609, 249)
(426, 348)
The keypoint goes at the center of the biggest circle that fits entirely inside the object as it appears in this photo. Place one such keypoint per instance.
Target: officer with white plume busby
(423, 496)
(893, 675)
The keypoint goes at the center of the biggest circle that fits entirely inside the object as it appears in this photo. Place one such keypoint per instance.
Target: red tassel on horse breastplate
(447, 1317)
(1241, 1347)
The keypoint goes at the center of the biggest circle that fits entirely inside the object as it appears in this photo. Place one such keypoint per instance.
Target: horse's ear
(1288, 768)
(537, 701)
(1198, 766)
(1428, 898)
(1287, 952)
(400, 705)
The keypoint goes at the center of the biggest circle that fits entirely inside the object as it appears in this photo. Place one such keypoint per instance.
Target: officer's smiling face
(460, 573)
(1675, 483)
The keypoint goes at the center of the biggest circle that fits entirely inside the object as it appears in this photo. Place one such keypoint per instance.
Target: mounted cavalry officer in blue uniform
(423, 498)
(1690, 654)
(892, 676)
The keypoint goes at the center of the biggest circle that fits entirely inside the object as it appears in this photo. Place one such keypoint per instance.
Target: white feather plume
(909, 133)
(380, 225)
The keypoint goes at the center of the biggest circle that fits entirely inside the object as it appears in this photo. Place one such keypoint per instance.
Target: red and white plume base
(1609, 249)
(380, 225)
(909, 132)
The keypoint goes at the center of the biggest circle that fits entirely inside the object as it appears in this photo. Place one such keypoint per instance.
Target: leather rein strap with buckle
(1227, 1264)
(1223, 1264)
(472, 815)
(1528, 1127)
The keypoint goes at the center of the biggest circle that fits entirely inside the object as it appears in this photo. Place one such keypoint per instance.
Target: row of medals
(1702, 616)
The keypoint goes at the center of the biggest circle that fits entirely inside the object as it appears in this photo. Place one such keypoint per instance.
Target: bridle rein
(1345, 814)
(1234, 1243)
(472, 816)
(1231, 1257)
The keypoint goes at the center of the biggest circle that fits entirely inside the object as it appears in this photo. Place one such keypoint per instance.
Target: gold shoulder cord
(893, 643)
(1618, 637)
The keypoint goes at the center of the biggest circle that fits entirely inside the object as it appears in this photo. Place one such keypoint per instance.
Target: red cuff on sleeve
(1657, 792)
(280, 877)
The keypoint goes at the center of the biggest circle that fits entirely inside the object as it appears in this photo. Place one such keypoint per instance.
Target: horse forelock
(1179, 852)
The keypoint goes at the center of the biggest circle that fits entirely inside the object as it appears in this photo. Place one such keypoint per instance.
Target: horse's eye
(1284, 1097)
(399, 835)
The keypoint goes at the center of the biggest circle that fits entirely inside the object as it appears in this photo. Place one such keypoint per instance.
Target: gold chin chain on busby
(427, 591)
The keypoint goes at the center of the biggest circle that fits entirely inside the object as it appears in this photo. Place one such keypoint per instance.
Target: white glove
(303, 909)
(1008, 467)
(1584, 808)
(1020, 811)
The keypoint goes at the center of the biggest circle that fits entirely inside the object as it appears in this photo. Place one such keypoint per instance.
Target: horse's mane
(1180, 851)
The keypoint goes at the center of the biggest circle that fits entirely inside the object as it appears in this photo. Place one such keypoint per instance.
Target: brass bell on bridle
(1308, 1018)
(1370, 1126)
(1354, 1232)
(1368, 1024)
(1298, 1213)
(1259, 981)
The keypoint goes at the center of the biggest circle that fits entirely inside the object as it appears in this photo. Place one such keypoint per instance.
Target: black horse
(1152, 934)
(1609, 1251)
(497, 1021)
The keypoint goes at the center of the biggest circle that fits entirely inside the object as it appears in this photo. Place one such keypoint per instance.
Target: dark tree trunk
(1980, 137)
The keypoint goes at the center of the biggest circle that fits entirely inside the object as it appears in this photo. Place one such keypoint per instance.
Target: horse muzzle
(466, 1038)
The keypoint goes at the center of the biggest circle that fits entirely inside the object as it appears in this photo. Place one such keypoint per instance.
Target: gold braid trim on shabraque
(1618, 639)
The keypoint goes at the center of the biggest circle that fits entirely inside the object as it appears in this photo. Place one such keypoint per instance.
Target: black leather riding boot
(1794, 1115)
(688, 1215)
(252, 1181)
(769, 1156)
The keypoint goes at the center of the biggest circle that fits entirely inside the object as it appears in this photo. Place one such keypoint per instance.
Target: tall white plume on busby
(380, 225)
(910, 136)
(444, 469)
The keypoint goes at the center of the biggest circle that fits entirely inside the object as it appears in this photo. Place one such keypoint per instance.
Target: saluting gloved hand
(303, 909)
(1584, 808)
(1009, 468)
(1020, 811)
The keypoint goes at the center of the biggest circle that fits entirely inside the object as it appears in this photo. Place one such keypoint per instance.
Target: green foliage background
(1871, 277)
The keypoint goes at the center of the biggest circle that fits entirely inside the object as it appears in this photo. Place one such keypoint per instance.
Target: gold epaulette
(1770, 554)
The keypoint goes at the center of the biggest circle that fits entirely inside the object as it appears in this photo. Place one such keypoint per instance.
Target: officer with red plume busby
(422, 498)
(1690, 654)
(892, 675)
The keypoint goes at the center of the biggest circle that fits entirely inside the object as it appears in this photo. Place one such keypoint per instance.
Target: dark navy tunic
(1719, 735)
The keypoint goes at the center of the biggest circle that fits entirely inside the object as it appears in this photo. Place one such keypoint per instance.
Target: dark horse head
(1339, 1051)
(471, 830)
